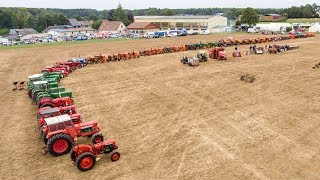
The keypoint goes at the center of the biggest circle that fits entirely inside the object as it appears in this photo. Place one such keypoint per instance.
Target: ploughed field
(171, 120)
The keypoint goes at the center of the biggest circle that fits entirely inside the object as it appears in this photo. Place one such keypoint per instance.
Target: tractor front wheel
(59, 144)
(86, 161)
(97, 138)
(115, 156)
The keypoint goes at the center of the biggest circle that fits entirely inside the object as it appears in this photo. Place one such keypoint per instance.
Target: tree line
(40, 18)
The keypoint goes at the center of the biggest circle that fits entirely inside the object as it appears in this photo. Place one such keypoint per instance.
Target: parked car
(252, 30)
(149, 35)
(115, 36)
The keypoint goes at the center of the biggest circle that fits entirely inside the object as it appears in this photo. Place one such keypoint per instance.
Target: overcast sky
(139, 4)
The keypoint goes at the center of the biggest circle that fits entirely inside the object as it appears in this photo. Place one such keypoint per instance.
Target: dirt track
(171, 120)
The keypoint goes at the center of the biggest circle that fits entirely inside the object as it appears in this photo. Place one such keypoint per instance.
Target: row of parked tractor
(229, 41)
(60, 125)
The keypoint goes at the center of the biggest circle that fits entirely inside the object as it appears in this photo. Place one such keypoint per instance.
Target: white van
(252, 30)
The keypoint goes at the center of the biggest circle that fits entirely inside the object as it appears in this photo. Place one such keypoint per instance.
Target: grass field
(173, 121)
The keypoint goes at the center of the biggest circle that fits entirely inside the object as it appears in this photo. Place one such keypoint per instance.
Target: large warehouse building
(191, 23)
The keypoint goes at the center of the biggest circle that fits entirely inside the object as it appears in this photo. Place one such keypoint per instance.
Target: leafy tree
(7, 19)
(93, 17)
(249, 16)
(120, 15)
(288, 29)
(4, 31)
(22, 15)
(167, 12)
(96, 24)
(152, 12)
(238, 23)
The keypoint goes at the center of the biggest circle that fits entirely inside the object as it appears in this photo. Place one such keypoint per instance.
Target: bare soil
(173, 121)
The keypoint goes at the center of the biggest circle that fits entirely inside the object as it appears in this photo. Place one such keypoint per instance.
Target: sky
(140, 4)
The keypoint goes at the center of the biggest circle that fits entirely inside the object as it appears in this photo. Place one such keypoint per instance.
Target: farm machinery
(193, 61)
(202, 56)
(84, 156)
(217, 53)
(57, 102)
(42, 90)
(59, 133)
(48, 111)
(81, 61)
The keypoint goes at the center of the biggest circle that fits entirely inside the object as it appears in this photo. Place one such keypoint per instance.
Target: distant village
(148, 27)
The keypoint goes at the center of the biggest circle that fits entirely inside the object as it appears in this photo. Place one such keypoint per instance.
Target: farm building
(15, 34)
(112, 27)
(190, 23)
(270, 17)
(71, 31)
(79, 24)
(56, 27)
(142, 27)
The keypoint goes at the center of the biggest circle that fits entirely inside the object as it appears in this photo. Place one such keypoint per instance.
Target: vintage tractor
(63, 71)
(57, 102)
(42, 90)
(59, 132)
(76, 119)
(100, 58)
(234, 54)
(203, 56)
(310, 35)
(81, 61)
(48, 111)
(193, 61)
(217, 53)
(40, 77)
(84, 156)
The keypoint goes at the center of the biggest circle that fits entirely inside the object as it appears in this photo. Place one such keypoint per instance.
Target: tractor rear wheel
(59, 144)
(115, 156)
(46, 105)
(86, 161)
(97, 138)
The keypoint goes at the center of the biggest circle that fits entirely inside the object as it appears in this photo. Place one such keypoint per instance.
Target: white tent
(315, 28)
(273, 26)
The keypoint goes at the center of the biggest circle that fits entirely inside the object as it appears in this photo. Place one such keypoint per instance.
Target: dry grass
(174, 121)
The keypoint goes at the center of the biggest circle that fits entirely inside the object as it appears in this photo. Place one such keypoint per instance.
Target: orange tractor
(84, 156)
(100, 58)
(217, 53)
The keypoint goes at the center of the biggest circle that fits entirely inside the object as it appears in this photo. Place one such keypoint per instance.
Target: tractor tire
(34, 96)
(97, 138)
(86, 161)
(73, 156)
(46, 105)
(30, 93)
(59, 144)
(115, 156)
(43, 137)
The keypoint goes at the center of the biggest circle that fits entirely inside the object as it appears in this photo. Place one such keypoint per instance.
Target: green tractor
(53, 81)
(42, 89)
(57, 75)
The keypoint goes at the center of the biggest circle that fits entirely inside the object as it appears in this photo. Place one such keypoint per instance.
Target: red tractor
(47, 111)
(58, 102)
(59, 133)
(84, 156)
(76, 118)
(217, 53)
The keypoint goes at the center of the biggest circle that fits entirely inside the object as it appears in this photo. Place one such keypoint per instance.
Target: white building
(71, 31)
(188, 22)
